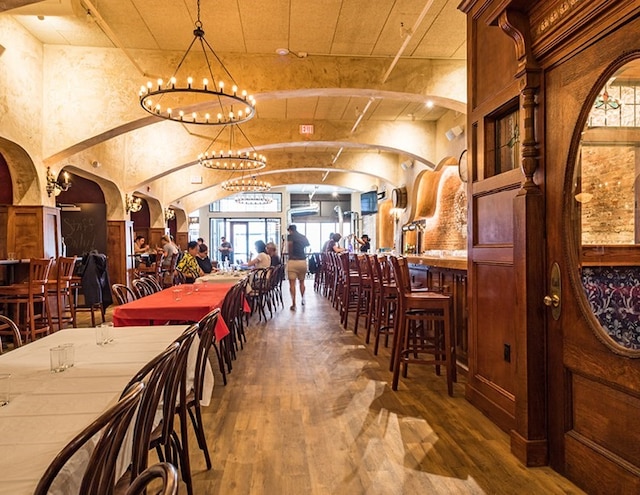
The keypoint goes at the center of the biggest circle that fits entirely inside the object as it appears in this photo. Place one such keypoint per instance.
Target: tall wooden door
(592, 158)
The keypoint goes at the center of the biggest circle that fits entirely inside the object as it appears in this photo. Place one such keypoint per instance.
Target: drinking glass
(68, 355)
(56, 355)
(104, 333)
(5, 388)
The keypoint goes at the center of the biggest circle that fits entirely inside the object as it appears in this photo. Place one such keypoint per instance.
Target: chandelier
(209, 104)
(169, 214)
(54, 185)
(246, 185)
(232, 160)
(132, 204)
(253, 199)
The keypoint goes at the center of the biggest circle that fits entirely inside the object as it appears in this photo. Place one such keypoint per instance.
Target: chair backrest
(65, 267)
(163, 470)
(122, 293)
(141, 287)
(153, 283)
(39, 269)
(155, 374)
(8, 326)
(401, 274)
(99, 477)
(207, 335)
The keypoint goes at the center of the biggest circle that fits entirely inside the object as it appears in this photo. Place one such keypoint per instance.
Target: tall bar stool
(348, 286)
(28, 294)
(365, 294)
(60, 288)
(423, 326)
(386, 294)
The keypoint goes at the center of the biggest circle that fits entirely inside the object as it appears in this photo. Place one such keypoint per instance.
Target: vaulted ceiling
(378, 80)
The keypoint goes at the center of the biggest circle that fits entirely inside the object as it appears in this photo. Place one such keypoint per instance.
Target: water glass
(68, 355)
(5, 388)
(177, 294)
(56, 354)
(104, 333)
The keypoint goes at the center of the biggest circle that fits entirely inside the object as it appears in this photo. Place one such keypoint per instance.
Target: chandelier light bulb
(189, 81)
(173, 82)
(234, 89)
(169, 111)
(221, 85)
(159, 83)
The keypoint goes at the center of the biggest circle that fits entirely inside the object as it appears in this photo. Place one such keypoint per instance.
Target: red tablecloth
(181, 303)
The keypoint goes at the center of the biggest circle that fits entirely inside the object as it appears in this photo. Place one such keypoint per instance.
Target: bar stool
(60, 288)
(76, 289)
(423, 326)
(348, 287)
(365, 294)
(386, 294)
(28, 294)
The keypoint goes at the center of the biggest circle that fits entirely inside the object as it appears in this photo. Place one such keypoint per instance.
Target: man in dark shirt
(297, 264)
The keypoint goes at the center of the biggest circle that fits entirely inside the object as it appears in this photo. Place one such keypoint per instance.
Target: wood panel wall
(120, 251)
(30, 231)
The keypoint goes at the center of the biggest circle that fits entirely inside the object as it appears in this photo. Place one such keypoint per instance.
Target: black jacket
(95, 279)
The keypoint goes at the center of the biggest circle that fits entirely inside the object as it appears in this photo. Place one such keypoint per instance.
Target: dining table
(222, 277)
(185, 302)
(46, 409)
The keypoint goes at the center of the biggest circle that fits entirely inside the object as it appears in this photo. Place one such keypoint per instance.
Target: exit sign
(306, 129)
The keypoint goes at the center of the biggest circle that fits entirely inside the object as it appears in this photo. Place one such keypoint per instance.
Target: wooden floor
(309, 410)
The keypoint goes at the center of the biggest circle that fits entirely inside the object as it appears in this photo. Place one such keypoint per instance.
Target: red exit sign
(306, 129)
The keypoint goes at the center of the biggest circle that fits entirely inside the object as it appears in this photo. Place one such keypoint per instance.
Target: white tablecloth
(222, 277)
(48, 409)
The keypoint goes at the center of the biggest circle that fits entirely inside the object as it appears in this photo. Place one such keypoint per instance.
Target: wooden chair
(25, 296)
(387, 298)
(163, 471)
(8, 327)
(76, 289)
(164, 438)
(100, 472)
(423, 326)
(141, 288)
(192, 403)
(155, 374)
(60, 288)
(364, 306)
(123, 294)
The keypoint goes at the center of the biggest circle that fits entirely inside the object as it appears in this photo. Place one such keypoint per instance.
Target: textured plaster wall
(21, 118)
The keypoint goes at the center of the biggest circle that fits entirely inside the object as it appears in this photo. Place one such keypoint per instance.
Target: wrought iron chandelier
(232, 160)
(253, 199)
(243, 185)
(208, 104)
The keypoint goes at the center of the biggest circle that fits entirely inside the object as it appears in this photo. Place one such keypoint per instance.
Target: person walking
(297, 263)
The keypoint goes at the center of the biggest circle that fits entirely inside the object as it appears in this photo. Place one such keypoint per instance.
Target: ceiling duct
(310, 209)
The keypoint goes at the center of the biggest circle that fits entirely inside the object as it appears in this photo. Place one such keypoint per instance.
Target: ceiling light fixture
(253, 199)
(232, 160)
(206, 105)
(54, 185)
(246, 185)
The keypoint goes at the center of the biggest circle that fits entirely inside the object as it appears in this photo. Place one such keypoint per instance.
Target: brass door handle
(552, 301)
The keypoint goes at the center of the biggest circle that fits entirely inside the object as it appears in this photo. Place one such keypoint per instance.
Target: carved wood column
(529, 439)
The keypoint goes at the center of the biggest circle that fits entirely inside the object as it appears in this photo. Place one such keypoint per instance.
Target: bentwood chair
(423, 327)
(155, 374)
(122, 293)
(141, 288)
(24, 297)
(8, 327)
(193, 397)
(100, 472)
(164, 471)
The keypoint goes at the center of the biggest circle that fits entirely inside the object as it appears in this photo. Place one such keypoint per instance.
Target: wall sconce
(169, 214)
(133, 204)
(54, 185)
(396, 213)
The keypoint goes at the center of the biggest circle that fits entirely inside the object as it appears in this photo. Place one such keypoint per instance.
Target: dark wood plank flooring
(309, 410)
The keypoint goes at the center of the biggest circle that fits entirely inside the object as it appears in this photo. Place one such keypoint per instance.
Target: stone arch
(113, 198)
(27, 186)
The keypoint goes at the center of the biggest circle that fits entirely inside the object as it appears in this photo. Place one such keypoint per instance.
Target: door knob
(552, 301)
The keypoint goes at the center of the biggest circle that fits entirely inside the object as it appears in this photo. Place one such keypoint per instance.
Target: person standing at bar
(365, 243)
(297, 264)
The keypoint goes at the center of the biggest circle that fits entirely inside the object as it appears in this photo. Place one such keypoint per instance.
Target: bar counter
(449, 274)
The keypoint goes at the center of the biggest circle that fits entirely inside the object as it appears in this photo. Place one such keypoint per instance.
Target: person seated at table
(272, 251)
(262, 259)
(204, 262)
(140, 248)
(188, 265)
(167, 251)
(333, 246)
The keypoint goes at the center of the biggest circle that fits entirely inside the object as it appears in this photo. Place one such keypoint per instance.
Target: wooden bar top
(450, 262)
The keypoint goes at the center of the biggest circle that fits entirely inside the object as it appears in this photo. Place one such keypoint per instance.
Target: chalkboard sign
(86, 229)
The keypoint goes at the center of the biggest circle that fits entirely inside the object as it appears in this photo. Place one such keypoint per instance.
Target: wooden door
(593, 342)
